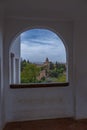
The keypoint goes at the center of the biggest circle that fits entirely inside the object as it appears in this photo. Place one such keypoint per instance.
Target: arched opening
(38, 56)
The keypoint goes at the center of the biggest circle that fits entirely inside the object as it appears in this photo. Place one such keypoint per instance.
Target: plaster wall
(2, 116)
(15, 47)
(0, 75)
(38, 103)
(14, 61)
(80, 69)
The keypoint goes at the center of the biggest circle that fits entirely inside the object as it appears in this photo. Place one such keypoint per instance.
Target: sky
(39, 44)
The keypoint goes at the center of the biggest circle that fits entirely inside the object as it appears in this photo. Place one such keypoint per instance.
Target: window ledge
(38, 85)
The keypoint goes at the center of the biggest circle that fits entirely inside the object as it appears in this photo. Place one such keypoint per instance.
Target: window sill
(38, 85)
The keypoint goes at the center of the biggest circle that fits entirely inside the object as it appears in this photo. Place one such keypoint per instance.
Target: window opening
(42, 58)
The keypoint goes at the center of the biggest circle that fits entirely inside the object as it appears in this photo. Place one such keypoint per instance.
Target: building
(43, 73)
(68, 19)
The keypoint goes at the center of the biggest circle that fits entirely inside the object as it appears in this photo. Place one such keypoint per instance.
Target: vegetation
(43, 73)
(29, 72)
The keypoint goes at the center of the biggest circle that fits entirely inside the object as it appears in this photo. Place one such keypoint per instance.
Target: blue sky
(37, 44)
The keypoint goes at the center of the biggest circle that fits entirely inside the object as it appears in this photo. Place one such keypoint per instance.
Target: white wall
(0, 74)
(38, 103)
(14, 61)
(2, 116)
(15, 47)
(80, 68)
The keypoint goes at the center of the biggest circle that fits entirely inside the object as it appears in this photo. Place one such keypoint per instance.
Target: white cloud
(38, 44)
(38, 53)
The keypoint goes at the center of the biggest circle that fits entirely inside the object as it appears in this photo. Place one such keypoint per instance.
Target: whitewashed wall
(0, 73)
(2, 112)
(80, 69)
(14, 61)
(42, 103)
(38, 103)
(15, 47)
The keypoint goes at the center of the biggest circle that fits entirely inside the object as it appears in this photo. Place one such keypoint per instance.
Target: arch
(47, 28)
(40, 27)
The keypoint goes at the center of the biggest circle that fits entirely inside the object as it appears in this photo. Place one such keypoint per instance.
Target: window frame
(38, 85)
(43, 85)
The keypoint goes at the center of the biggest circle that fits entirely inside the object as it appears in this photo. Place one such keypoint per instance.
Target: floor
(48, 124)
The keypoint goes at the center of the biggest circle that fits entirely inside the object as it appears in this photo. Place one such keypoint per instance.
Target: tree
(53, 73)
(29, 73)
(51, 66)
(23, 64)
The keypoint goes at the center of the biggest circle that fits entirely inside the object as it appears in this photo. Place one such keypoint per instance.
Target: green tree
(53, 73)
(29, 73)
(51, 66)
(23, 64)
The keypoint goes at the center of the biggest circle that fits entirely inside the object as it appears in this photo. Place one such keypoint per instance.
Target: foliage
(62, 78)
(29, 72)
(54, 72)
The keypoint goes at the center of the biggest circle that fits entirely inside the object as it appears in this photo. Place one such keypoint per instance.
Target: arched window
(41, 58)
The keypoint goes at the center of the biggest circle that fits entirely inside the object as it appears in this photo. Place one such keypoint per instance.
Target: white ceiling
(53, 9)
